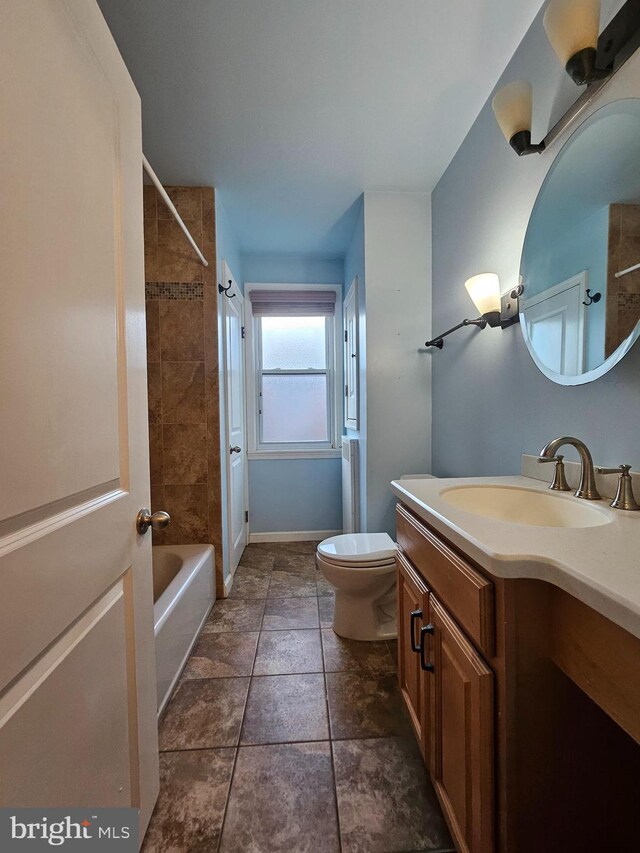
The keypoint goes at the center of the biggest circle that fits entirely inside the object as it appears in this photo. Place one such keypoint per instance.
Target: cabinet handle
(427, 666)
(415, 614)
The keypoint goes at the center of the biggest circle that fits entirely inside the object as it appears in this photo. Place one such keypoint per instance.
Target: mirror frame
(626, 345)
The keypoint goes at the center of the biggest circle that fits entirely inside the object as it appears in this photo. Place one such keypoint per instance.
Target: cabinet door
(462, 739)
(413, 603)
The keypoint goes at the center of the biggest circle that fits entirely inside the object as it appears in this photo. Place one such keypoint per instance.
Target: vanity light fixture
(495, 310)
(572, 27)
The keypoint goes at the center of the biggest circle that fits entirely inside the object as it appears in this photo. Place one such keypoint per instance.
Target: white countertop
(600, 566)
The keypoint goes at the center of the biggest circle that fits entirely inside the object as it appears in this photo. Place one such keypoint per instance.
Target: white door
(351, 357)
(233, 314)
(556, 322)
(77, 669)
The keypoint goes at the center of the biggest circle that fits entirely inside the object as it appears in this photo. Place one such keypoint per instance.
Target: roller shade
(293, 303)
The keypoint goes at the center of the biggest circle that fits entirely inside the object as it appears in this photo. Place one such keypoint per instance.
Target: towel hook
(591, 298)
(225, 290)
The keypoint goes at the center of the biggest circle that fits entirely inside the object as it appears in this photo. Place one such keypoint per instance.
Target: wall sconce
(495, 310)
(572, 29)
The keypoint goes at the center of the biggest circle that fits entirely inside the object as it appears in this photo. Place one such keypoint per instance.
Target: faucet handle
(624, 499)
(559, 482)
(624, 469)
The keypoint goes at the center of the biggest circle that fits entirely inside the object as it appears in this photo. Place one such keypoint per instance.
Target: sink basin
(525, 506)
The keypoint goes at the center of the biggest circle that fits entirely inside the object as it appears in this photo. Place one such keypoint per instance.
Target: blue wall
(294, 494)
(354, 266)
(292, 269)
(490, 402)
(227, 246)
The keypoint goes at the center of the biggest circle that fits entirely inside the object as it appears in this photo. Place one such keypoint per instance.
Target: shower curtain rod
(628, 270)
(171, 206)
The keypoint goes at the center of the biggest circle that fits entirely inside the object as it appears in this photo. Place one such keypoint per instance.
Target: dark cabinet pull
(415, 614)
(427, 666)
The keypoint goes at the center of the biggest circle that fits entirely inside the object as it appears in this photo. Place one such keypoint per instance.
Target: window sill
(294, 454)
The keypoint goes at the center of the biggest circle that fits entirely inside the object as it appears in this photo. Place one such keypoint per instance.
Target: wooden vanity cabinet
(461, 731)
(527, 710)
(413, 615)
(450, 696)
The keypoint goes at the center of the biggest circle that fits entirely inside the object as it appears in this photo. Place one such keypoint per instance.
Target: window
(293, 344)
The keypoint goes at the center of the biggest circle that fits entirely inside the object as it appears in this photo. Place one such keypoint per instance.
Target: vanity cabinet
(413, 616)
(446, 683)
(526, 708)
(461, 726)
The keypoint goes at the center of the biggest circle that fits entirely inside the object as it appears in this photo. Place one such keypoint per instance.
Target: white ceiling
(291, 108)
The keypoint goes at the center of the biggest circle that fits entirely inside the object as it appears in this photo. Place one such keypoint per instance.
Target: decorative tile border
(173, 290)
(629, 301)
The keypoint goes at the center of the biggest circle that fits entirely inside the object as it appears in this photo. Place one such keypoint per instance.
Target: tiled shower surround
(284, 738)
(182, 355)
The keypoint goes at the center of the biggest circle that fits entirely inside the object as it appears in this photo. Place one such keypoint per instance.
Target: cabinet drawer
(467, 594)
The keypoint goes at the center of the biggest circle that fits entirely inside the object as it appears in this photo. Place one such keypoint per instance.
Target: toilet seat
(354, 566)
(358, 550)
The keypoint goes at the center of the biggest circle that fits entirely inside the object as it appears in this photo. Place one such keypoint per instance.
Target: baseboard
(293, 536)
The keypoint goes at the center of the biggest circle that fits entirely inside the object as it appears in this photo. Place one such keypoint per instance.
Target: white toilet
(361, 567)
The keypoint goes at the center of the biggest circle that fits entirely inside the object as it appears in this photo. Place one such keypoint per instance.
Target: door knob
(235, 449)
(145, 520)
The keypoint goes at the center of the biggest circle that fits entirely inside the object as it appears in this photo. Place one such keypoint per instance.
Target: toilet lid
(358, 547)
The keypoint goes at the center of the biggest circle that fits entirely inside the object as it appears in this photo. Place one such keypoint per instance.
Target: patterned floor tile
(222, 655)
(288, 652)
(285, 584)
(341, 655)
(282, 799)
(286, 708)
(288, 613)
(364, 704)
(234, 614)
(193, 794)
(326, 608)
(204, 714)
(385, 799)
(249, 582)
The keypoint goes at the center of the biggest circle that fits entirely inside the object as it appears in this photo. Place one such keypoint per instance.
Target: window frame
(295, 450)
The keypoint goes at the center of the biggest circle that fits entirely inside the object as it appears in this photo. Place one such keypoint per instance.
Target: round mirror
(580, 264)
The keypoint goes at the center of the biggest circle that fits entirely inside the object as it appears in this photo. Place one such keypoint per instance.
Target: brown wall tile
(152, 310)
(176, 259)
(150, 250)
(155, 454)
(149, 200)
(154, 391)
(187, 201)
(181, 330)
(185, 454)
(187, 506)
(183, 400)
(157, 499)
(182, 349)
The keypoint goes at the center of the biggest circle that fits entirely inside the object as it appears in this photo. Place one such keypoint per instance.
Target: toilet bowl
(361, 567)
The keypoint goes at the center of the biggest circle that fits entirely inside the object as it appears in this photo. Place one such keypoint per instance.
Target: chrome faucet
(587, 486)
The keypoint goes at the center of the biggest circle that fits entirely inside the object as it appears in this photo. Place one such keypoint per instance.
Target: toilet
(361, 567)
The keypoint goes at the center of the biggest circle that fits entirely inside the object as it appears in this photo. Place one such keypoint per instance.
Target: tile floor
(283, 737)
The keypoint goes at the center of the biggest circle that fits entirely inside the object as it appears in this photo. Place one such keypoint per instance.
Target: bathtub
(183, 595)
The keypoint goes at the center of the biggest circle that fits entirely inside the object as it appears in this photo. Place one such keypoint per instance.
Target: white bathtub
(183, 594)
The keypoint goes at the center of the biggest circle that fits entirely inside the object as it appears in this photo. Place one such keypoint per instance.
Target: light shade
(484, 289)
(572, 26)
(512, 106)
